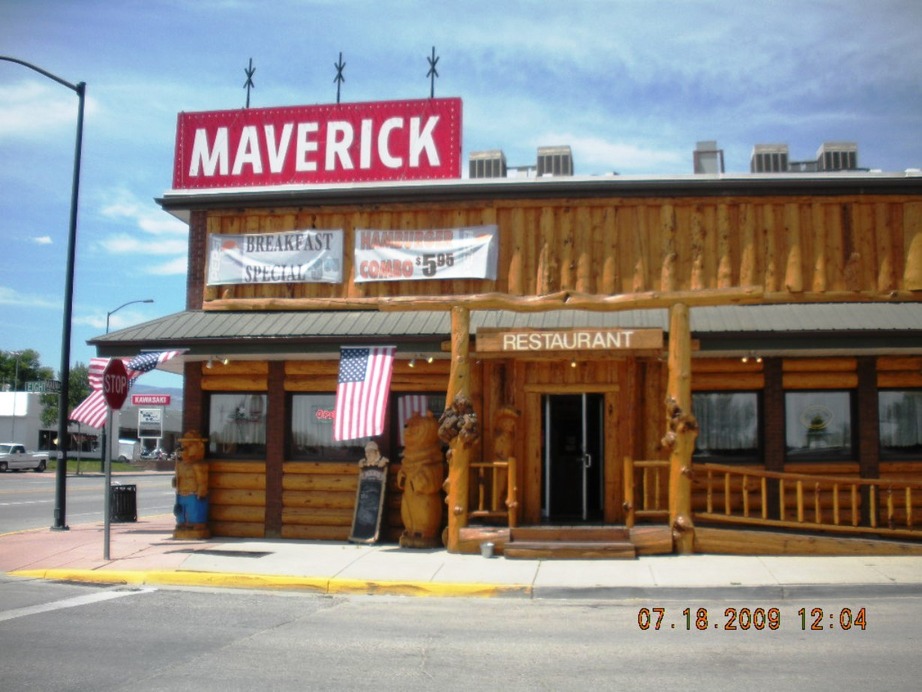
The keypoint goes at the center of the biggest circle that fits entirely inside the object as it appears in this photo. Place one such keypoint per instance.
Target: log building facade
(784, 311)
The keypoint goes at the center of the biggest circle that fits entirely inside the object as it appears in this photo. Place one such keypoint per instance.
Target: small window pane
(312, 431)
(409, 405)
(237, 425)
(728, 426)
(818, 425)
(901, 424)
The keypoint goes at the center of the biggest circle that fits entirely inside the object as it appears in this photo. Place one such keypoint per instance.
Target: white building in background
(21, 420)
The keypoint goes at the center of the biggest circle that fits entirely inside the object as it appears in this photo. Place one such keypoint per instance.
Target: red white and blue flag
(92, 410)
(361, 395)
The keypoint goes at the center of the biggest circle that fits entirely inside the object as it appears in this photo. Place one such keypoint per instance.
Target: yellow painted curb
(267, 581)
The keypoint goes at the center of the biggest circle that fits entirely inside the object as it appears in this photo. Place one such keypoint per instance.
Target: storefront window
(728, 426)
(410, 404)
(818, 425)
(900, 415)
(312, 431)
(237, 425)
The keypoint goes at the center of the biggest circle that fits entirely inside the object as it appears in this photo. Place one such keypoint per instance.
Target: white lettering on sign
(337, 143)
(150, 399)
(115, 383)
(211, 159)
(567, 341)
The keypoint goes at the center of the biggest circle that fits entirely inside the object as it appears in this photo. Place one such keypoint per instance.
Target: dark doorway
(573, 455)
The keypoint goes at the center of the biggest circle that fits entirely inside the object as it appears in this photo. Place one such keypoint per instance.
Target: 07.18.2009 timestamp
(747, 619)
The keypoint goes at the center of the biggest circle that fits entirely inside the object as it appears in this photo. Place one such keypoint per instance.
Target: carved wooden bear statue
(420, 478)
(191, 483)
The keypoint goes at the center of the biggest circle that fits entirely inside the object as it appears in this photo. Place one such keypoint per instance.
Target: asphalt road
(27, 499)
(68, 637)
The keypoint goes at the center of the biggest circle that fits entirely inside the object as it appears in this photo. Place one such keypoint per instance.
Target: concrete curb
(362, 587)
(324, 585)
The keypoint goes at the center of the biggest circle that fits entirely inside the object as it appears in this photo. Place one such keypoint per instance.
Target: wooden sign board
(565, 340)
(369, 504)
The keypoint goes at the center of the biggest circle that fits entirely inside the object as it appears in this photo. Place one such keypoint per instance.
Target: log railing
(649, 499)
(496, 490)
(890, 507)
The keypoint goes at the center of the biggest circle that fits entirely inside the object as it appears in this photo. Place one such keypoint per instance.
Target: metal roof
(180, 202)
(848, 326)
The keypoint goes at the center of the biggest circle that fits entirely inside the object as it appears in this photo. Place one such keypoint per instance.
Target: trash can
(123, 503)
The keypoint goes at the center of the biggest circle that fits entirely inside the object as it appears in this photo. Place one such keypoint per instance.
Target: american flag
(361, 395)
(92, 410)
(408, 406)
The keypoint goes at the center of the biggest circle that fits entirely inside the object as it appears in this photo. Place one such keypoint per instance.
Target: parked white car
(14, 457)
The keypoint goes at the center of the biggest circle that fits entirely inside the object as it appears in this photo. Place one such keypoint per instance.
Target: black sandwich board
(369, 504)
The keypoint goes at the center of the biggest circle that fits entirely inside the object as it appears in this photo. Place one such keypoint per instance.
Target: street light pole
(60, 493)
(130, 302)
(106, 443)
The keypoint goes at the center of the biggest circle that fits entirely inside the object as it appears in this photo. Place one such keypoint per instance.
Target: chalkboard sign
(369, 503)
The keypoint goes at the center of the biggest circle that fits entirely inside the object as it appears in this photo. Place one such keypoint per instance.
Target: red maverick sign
(353, 142)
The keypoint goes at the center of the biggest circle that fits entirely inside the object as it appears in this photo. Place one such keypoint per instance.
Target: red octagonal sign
(115, 383)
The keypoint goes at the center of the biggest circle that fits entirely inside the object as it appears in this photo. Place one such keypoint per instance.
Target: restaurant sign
(305, 256)
(578, 339)
(354, 142)
(449, 253)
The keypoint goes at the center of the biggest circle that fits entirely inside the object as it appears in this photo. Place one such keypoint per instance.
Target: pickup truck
(14, 457)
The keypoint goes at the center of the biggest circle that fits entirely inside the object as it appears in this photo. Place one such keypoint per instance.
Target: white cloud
(127, 245)
(10, 296)
(601, 156)
(147, 217)
(32, 108)
(175, 267)
(43, 240)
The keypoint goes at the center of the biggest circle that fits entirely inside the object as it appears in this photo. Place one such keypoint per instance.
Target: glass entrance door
(573, 456)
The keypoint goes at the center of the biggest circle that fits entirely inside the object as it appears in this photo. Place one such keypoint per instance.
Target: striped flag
(361, 395)
(409, 405)
(92, 410)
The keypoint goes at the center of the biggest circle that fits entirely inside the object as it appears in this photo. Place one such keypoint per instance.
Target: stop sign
(115, 383)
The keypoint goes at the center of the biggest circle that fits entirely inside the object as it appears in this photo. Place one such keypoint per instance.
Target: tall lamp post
(60, 492)
(130, 302)
(105, 442)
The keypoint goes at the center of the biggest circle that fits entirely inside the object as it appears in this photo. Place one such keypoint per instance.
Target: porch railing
(827, 503)
(649, 499)
(728, 494)
(497, 491)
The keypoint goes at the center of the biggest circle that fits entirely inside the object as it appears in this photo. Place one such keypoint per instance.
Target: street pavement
(145, 553)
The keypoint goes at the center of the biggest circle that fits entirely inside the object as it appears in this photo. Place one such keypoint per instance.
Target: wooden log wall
(724, 374)
(317, 498)
(811, 246)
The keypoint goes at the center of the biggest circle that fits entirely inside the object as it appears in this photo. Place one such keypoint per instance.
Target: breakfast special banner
(307, 256)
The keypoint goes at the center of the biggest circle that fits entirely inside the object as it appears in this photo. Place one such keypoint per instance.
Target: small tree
(79, 389)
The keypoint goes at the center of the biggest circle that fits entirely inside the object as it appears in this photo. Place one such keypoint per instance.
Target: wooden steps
(570, 542)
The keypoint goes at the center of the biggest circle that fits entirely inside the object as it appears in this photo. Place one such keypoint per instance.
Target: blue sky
(630, 85)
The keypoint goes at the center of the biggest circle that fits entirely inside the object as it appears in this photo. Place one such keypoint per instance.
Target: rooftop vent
(769, 158)
(555, 161)
(837, 156)
(708, 158)
(488, 164)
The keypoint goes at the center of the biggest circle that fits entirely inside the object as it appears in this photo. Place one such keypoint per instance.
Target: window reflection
(818, 425)
(237, 425)
(900, 416)
(728, 426)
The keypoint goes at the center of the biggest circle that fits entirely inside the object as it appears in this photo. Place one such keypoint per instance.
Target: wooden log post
(459, 454)
(912, 233)
(682, 430)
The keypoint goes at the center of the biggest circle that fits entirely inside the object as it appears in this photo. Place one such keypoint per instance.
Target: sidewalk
(144, 552)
